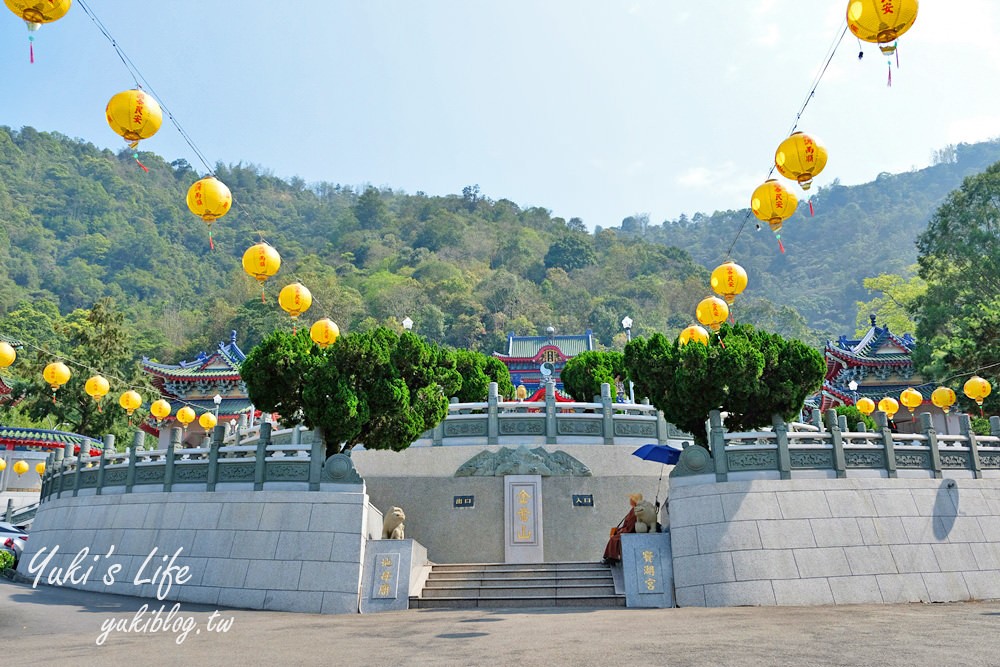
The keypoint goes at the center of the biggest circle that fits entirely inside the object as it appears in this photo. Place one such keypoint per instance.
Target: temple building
(198, 384)
(880, 363)
(533, 360)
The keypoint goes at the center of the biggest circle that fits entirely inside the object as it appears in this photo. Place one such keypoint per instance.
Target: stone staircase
(479, 585)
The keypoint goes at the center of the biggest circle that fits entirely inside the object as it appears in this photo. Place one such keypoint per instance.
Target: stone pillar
(838, 424)
(927, 428)
(717, 444)
(780, 429)
(965, 428)
(607, 414)
(550, 412)
(882, 421)
(262, 443)
(492, 420)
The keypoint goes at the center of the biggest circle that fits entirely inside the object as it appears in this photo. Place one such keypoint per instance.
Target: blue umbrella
(664, 454)
(659, 453)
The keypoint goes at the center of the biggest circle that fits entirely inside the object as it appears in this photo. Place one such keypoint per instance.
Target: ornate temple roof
(223, 364)
(528, 347)
(36, 437)
(878, 346)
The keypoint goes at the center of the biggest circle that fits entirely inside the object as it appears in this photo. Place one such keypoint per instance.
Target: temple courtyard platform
(59, 626)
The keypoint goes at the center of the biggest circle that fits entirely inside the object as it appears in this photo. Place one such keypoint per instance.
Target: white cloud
(769, 36)
(765, 6)
(695, 177)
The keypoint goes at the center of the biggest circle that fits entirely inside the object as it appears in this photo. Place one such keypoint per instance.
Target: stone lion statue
(645, 517)
(392, 524)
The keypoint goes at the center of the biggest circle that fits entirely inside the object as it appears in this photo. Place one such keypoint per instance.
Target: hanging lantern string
(97, 371)
(142, 82)
(831, 52)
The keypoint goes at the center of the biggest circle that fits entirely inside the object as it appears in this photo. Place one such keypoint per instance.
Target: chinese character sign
(386, 576)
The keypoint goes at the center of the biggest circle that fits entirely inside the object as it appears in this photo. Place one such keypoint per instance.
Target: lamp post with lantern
(627, 325)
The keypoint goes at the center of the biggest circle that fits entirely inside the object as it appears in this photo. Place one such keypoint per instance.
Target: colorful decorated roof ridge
(229, 408)
(36, 437)
(874, 392)
(872, 343)
(224, 363)
(13, 342)
(528, 347)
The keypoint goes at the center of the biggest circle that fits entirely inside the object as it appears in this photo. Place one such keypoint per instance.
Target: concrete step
(497, 585)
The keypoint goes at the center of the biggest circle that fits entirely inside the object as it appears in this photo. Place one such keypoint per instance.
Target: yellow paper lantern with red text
(7, 354)
(729, 280)
(889, 406)
(130, 400)
(712, 312)
(977, 389)
(295, 299)
(56, 374)
(773, 203)
(693, 334)
(911, 398)
(865, 405)
(800, 158)
(944, 398)
(20, 468)
(160, 409)
(36, 12)
(185, 416)
(261, 261)
(209, 199)
(324, 332)
(40, 468)
(135, 115)
(881, 21)
(207, 421)
(97, 388)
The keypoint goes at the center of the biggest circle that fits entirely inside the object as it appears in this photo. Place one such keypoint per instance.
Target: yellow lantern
(185, 416)
(20, 468)
(3, 465)
(977, 389)
(773, 203)
(881, 21)
(865, 405)
(911, 398)
(712, 312)
(160, 409)
(56, 374)
(729, 280)
(7, 354)
(40, 468)
(207, 421)
(295, 299)
(944, 398)
(135, 116)
(800, 158)
(209, 199)
(693, 333)
(97, 388)
(35, 13)
(889, 406)
(261, 261)
(130, 400)
(324, 332)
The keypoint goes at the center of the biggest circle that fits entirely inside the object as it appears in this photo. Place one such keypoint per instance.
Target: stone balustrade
(836, 452)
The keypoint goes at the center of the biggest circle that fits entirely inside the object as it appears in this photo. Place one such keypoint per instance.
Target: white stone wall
(836, 541)
(280, 550)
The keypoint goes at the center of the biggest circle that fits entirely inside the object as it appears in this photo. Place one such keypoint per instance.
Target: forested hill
(857, 232)
(78, 223)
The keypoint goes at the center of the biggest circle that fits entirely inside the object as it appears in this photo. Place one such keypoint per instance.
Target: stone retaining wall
(281, 550)
(836, 541)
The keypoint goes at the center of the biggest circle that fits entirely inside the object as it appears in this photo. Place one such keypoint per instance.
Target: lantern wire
(831, 52)
(142, 82)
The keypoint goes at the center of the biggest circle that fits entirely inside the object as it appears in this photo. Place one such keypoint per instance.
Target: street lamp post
(627, 325)
(853, 386)
(217, 399)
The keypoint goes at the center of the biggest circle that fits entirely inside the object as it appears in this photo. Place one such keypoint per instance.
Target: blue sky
(591, 108)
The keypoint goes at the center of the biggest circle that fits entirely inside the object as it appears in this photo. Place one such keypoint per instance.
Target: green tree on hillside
(748, 373)
(958, 318)
(898, 299)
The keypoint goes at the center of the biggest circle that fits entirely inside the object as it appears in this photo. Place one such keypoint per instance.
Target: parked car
(12, 539)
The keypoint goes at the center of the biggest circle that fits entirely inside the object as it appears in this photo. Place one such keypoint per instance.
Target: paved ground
(56, 626)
